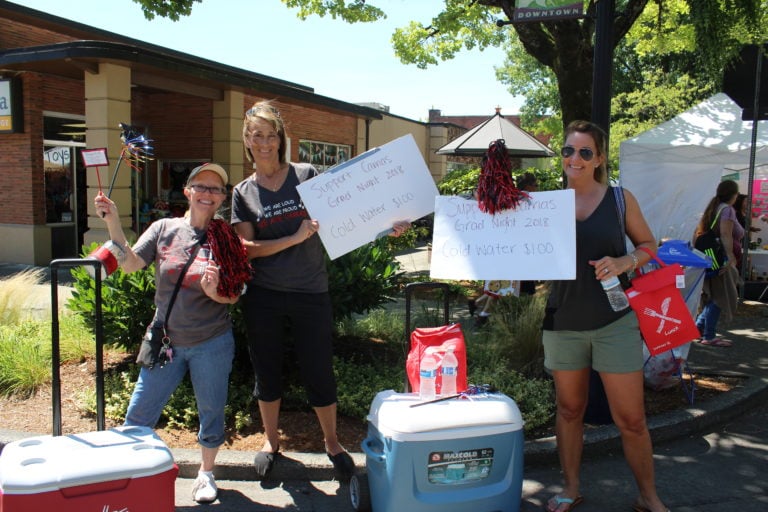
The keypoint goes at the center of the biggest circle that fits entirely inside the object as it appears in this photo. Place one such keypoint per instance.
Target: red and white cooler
(122, 469)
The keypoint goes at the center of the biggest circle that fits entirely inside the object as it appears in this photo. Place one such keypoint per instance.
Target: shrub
(421, 230)
(363, 279)
(127, 302)
(515, 332)
(459, 182)
(25, 352)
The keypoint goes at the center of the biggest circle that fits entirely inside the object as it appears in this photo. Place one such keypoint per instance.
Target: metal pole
(55, 345)
(752, 151)
(602, 70)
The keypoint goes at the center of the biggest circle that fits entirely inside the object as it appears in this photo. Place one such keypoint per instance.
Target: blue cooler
(450, 456)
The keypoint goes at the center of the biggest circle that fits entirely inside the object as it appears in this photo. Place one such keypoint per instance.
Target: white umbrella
(475, 142)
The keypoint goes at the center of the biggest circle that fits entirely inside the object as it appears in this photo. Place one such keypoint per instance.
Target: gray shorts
(614, 348)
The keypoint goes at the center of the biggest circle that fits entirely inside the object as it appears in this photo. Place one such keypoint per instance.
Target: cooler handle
(368, 451)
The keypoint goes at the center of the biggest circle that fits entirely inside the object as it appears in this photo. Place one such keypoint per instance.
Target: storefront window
(59, 184)
(323, 155)
(64, 182)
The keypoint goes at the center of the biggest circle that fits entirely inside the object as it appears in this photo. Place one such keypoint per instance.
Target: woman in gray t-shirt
(199, 326)
(290, 284)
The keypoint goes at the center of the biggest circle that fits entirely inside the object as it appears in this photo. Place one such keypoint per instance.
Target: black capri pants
(311, 321)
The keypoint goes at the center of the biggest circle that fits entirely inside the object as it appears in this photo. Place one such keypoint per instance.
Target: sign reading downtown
(543, 10)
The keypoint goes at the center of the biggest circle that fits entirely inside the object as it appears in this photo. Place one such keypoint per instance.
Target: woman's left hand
(400, 227)
(607, 267)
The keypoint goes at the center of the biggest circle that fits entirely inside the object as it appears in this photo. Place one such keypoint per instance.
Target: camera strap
(192, 256)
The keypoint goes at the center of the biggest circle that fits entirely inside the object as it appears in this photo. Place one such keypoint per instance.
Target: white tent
(674, 168)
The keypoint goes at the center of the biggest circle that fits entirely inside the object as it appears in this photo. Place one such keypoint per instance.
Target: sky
(352, 63)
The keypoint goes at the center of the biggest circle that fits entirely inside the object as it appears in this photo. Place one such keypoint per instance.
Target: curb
(295, 466)
(664, 427)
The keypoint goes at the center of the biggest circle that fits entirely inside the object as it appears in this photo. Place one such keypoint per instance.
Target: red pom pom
(496, 190)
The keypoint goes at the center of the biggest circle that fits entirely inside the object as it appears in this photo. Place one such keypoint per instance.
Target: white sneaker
(204, 489)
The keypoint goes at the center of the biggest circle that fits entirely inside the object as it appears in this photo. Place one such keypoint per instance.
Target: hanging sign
(360, 199)
(546, 10)
(535, 241)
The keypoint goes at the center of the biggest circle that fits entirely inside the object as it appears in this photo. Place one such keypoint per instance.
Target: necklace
(261, 179)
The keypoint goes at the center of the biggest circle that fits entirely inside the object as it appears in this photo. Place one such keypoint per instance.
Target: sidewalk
(302, 481)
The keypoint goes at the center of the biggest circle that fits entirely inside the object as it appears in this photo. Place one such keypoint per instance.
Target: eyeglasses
(586, 154)
(211, 190)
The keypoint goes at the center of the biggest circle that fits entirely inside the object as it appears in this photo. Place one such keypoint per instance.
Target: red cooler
(121, 469)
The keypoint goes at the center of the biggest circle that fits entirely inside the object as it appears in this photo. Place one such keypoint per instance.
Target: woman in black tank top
(581, 330)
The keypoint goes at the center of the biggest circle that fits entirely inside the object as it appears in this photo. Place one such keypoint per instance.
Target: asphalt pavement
(709, 456)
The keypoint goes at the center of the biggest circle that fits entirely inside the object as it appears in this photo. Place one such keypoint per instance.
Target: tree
(564, 48)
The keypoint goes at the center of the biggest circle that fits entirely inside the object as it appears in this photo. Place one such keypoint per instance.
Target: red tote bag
(664, 318)
(443, 337)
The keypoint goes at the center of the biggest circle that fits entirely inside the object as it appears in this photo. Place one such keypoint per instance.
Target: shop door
(61, 199)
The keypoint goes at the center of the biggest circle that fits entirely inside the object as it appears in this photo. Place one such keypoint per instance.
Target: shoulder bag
(664, 318)
(156, 347)
(710, 244)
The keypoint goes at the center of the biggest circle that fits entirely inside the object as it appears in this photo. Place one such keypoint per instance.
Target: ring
(605, 271)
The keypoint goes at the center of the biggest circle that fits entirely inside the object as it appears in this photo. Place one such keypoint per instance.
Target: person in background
(201, 328)
(720, 292)
(581, 331)
(290, 284)
(741, 216)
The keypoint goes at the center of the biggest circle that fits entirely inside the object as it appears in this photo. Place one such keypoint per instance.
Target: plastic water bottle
(450, 370)
(615, 293)
(428, 375)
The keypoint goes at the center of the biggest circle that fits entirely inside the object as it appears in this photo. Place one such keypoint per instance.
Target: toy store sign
(535, 241)
(11, 111)
(359, 200)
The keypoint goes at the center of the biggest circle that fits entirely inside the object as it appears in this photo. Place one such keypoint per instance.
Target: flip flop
(717, 342)
(559, 501)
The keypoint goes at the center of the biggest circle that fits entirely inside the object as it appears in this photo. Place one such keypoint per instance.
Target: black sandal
(343, 464)
(263, 462)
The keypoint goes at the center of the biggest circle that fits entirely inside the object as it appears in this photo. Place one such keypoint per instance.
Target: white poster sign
(535, 241)
(359, 200)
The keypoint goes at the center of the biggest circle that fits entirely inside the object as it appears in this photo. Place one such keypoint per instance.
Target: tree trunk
(567, 47)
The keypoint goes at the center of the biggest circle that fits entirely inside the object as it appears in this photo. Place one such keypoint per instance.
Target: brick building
(66, 86)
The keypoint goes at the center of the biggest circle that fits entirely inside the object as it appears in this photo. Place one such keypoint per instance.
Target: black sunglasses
(586, 154)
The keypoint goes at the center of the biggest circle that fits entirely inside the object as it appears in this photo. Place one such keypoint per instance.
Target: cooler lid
(391, 413)
(48, 463)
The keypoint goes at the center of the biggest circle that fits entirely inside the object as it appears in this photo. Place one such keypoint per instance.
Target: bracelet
(634, 261)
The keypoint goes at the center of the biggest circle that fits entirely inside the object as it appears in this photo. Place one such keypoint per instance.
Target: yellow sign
(10, 104)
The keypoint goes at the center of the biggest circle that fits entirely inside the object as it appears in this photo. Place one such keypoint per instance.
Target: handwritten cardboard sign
(359, 200)
(536, 241)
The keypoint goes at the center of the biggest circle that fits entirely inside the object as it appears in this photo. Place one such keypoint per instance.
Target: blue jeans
(707, 320)
(209, 364)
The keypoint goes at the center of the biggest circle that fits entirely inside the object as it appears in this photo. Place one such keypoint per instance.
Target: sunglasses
(586, 154)
(262, 110)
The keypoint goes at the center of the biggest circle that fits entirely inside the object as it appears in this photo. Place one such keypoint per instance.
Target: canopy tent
(476, 141)
(674, 168)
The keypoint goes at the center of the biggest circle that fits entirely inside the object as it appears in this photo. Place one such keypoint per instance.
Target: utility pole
(602, 66)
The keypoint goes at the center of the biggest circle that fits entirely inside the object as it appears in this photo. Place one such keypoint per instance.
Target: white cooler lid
(47, 463)
(392, 415)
